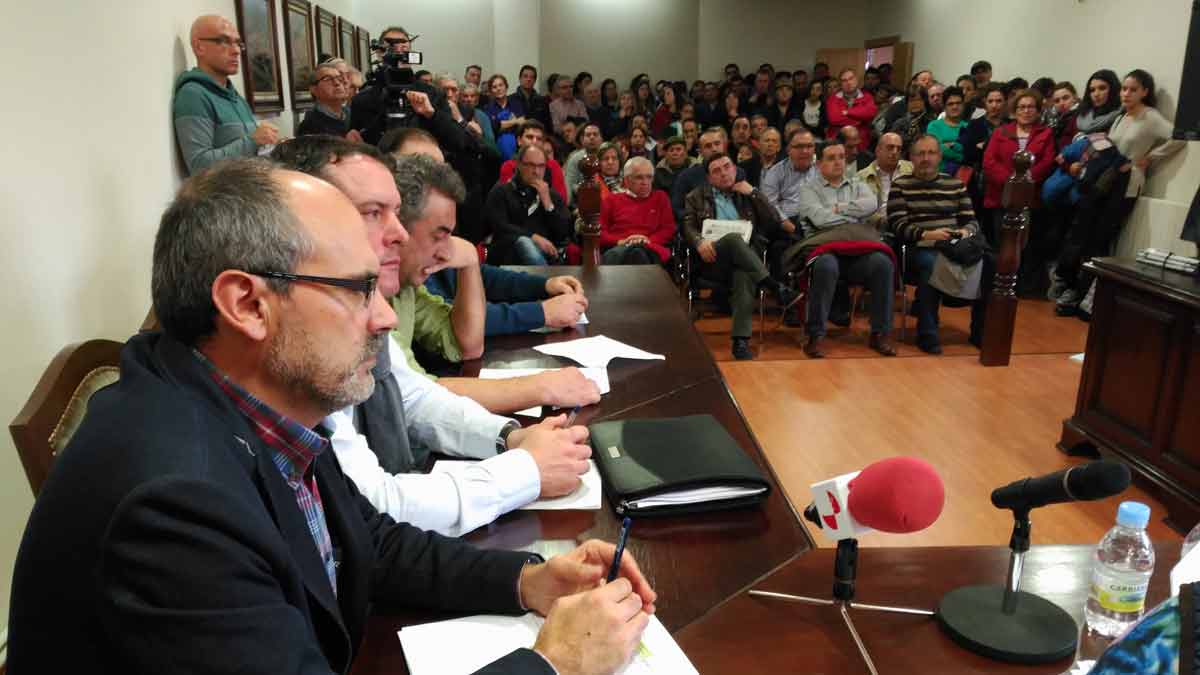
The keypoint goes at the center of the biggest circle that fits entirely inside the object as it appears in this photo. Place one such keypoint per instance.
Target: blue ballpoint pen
(571, 417)
(621, 539)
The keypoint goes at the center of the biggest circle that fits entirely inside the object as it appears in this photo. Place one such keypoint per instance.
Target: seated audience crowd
(307, 298)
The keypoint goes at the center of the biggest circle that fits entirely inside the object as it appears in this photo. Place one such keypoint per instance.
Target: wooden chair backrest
(58, 403)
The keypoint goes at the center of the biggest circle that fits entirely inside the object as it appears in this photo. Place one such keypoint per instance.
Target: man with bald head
(212, 120)
(887, 167)
(224, 536)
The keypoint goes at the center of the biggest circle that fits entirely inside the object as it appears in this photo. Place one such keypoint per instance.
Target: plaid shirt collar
(294, 446)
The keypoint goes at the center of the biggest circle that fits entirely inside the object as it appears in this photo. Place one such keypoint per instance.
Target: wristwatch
(502, 437)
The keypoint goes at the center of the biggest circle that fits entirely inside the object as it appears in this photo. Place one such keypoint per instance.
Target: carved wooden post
(1018, 197)
(587, 197)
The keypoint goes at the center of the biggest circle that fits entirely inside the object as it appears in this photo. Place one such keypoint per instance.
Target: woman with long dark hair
(668, 112)
(916, 121)
(1142, 136)
(609, 94)
(1101, 103)
(582, 80)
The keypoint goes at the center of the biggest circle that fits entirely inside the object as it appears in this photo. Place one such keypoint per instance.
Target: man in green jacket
(212, 120)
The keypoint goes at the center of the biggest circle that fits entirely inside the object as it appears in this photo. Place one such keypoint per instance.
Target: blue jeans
(629, 255)
(929, 299)
(525, 252)
(874, 271)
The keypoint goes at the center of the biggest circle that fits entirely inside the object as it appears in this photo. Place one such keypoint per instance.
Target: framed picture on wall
(347, 46)
(364, 51)
(327, 35)
(298, 41)
(260, 58)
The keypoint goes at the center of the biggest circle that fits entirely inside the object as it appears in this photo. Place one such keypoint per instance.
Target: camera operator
(420, 104)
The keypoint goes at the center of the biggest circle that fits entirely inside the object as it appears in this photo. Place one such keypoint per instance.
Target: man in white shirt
(379, 441)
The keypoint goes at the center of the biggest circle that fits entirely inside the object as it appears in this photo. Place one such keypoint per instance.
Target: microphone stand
(845, 571)
(1009, 624)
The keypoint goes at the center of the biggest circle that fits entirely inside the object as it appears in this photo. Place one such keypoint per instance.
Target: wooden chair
(58, 403)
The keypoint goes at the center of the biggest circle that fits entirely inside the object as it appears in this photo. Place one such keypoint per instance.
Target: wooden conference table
(701, 566)
(694, 562)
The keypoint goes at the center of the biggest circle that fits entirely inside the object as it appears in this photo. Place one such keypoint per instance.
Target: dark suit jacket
(166, 540)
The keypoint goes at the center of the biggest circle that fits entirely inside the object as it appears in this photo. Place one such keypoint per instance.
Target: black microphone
(1084, 482)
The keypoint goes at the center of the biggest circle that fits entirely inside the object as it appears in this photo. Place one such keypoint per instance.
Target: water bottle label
(1118, 596)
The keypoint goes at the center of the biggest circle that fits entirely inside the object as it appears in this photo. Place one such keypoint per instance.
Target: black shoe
(785, 295)
(741, 349)
(929, 344)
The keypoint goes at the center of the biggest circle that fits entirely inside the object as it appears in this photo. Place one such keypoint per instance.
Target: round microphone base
(1039, 631)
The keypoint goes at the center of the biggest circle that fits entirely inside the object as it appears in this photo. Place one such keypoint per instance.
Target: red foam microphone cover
(897, 495)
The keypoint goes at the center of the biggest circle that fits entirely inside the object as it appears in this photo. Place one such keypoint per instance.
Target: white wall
(785, 33)
(621, 38)
(1066, 40)
(90, 163)
(516, 28)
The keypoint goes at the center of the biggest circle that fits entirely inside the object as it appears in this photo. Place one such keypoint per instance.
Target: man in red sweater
(532, 131)
(636, 224)
(851, 107)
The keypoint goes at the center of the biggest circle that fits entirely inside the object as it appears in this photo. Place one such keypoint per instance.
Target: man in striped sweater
(924, 209)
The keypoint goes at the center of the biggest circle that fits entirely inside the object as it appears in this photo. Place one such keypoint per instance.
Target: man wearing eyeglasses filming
(212, 120)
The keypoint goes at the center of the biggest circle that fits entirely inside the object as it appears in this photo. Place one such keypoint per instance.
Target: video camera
(393, 78)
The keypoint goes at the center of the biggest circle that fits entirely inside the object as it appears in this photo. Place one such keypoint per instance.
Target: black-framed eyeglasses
(335, 78)
(225, 42)
(397, 41)
(365, 286)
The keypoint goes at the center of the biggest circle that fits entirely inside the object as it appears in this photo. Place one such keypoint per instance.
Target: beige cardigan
(1147, 135)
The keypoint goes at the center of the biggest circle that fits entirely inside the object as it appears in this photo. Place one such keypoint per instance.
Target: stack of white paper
(585, 497)
(597, 375)
(595, 352)
(462, 646)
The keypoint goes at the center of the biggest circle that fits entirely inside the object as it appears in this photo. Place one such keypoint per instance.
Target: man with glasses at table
(212, 120)
(198, 521)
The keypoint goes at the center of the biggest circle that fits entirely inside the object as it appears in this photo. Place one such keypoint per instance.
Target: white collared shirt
(450, 424)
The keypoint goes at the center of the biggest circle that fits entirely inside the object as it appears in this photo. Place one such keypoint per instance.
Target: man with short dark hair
(850, 106)
(820, 71)
(223, 523)
(732, 260)
(731, 71)
(712, 142)
(856, 159)
(424, 106)
(536, 105)
(530, 223)
(328, 115)
(833, 200)
(982, 72)
(929, 210)
(212, 120)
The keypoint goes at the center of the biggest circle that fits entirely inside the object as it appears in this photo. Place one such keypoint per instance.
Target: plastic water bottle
(1121, 572)
(1190, 541)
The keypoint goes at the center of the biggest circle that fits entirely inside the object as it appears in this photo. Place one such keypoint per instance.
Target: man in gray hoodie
(212, 120)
